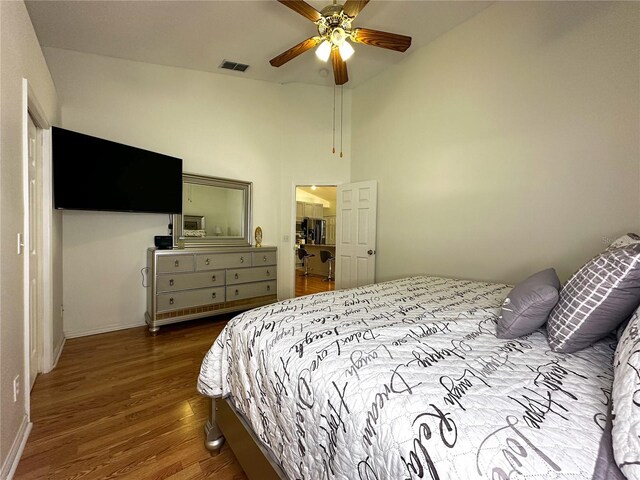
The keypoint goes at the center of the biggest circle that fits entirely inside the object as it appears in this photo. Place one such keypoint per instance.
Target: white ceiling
(200, 34)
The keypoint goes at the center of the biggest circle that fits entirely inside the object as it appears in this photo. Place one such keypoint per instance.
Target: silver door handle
(213, 278)
(371, 252)
(171, 282)
(236, 276)
(176, 263)
(206, 262)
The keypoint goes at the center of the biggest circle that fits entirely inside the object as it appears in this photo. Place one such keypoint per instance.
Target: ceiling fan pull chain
(341, 115)
(334, 119)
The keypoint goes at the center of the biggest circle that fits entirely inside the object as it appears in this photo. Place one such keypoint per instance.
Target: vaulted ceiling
(199, 35)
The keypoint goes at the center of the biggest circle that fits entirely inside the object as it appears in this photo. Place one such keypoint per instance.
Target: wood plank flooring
(306, 285)
(124, 405)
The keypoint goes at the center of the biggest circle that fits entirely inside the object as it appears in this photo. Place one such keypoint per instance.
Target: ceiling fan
(334, 29)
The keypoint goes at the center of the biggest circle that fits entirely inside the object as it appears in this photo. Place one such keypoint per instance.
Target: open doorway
(315, 239)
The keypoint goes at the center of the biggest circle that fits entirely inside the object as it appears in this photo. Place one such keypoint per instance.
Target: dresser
(193, 283)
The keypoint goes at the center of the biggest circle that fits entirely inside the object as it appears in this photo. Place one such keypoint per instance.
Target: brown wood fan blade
(339, 67)
(303, 9)
(354, 7)
(392, 41)
(293, 52)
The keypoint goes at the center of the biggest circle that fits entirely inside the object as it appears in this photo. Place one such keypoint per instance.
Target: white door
(34, 310)
(356, 232)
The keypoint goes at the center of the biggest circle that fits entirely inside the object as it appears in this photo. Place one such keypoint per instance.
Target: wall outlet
(16, 388)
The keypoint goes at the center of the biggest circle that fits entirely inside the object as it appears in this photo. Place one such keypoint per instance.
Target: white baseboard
(105, 329)
(58, 351)
(15, 453)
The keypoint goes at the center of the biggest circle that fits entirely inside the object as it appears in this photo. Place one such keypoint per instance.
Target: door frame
(31, 107)
(291, 261)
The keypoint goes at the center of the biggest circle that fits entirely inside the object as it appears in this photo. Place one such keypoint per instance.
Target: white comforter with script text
(406, 380)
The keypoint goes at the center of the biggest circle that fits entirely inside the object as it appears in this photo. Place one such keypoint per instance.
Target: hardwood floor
(306, 285)
(124, 405)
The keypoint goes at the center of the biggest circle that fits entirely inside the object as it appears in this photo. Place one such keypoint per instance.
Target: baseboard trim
(105, 329)
(15, 453)
(58, 351)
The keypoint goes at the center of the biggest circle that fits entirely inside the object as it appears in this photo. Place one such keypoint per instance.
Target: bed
(407, 379)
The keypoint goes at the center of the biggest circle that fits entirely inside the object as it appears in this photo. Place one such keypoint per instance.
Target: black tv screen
(90, 173)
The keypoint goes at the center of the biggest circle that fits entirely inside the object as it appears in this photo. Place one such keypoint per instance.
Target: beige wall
(507, 145)
(20, 57)
(275, 136)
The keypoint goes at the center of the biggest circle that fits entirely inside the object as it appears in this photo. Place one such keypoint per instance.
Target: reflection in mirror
(215, 211)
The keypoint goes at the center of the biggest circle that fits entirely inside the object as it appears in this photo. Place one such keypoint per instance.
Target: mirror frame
(179, 241)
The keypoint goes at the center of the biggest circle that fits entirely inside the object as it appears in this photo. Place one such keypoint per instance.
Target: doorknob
(371, 252)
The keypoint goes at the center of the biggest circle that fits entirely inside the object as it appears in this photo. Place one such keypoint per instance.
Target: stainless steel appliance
(315, 231)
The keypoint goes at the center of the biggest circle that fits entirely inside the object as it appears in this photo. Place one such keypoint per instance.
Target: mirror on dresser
(215, 212)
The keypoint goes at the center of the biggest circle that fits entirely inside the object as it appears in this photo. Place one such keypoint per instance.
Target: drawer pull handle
(176, 263)
(213, 295)
(268, 288)
(213, 278)
(264, 259)
(237, 292)
(171, 301)
(171, 282)
(236, 276)
(206, 262)
(241, 259)
(268, 273)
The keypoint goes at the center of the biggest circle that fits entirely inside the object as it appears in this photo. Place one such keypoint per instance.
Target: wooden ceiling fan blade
(354, 7)
(293, 52)
(303, 9)
(391, 41)
(339, 67)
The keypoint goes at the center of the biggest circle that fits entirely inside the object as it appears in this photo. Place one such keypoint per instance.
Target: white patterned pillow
(624, 240)
(596, 299)
(626, 400)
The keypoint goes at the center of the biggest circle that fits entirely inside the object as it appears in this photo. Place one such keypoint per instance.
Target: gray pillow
(624, 240)
(596, 299)
(528, 305)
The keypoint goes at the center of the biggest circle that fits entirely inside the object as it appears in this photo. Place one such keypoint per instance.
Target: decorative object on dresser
(194, 283)
(258, 237)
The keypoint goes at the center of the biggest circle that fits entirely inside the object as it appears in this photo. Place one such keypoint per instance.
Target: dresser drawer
(186, 281)
(189, 298)
(255, 274)
(249, 290)
(260, 258)
(214, 261)
(175, 263)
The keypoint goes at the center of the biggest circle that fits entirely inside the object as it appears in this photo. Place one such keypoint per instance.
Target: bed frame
(227, 423)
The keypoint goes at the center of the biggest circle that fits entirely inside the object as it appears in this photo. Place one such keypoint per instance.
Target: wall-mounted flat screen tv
(90, 173)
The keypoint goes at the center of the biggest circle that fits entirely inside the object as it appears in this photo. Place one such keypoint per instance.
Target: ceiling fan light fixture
(346, 50)
(324, 51)
(338, 36)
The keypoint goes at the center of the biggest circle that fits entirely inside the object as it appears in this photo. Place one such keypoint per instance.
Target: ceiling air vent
(227, 65)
